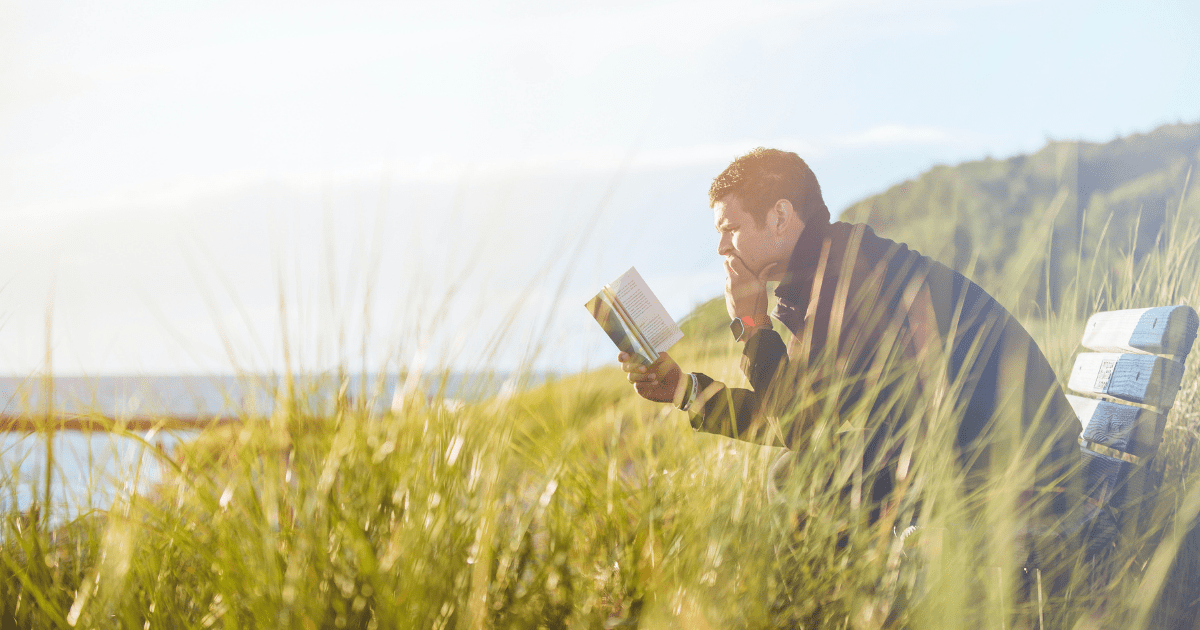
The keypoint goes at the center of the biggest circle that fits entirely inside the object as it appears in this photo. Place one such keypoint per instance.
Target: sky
(193, 187)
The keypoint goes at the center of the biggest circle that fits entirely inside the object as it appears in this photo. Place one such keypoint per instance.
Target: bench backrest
(1123, 391)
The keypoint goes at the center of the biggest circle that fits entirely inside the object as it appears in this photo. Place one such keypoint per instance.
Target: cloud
(185, 192)
(899, 135)
(724, 152)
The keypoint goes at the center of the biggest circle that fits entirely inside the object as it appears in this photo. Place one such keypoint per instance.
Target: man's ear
(784, 215)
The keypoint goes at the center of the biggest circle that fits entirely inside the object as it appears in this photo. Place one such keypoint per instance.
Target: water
(93, 469)
(90, 470)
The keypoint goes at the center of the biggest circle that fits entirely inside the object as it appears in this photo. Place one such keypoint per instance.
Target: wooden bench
(1125, 389)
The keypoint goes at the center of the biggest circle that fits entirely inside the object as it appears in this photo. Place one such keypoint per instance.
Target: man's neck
(806, 252)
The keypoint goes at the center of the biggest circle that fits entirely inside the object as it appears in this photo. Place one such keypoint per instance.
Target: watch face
(738, 328)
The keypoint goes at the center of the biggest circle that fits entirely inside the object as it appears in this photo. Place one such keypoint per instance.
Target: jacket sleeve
(736, 412)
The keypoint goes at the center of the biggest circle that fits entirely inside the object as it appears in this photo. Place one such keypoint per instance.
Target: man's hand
(745, 291)
(661, 381)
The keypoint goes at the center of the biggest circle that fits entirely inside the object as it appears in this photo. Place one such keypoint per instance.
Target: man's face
(742, 237)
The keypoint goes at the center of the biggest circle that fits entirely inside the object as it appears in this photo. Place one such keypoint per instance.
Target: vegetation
(1097, 202)
(576, 504)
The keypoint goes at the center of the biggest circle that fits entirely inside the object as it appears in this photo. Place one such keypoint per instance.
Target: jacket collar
(802, 266)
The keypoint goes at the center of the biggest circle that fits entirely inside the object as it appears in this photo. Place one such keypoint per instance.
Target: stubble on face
(742, 237)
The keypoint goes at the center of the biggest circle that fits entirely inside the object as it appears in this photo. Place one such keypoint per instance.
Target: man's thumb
(767, 271)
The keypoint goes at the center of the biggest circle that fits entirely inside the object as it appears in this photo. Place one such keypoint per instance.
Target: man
(882, 338)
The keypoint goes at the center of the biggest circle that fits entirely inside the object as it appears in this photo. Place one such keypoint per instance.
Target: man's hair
(764, 176)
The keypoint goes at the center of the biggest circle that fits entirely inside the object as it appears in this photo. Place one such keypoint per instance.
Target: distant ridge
(990, 212)
(236, 395)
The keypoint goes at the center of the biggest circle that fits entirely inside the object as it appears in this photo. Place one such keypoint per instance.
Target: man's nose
(724, 245)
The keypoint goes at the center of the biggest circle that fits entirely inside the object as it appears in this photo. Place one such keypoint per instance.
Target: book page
(647, 313)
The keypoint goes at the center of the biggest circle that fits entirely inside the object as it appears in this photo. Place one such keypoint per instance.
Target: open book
(633, 317)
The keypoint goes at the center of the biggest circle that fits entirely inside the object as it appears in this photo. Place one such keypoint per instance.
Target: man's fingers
(628, 364)
(735, 262)
(735, 267)
(739, 275)
(649, 380)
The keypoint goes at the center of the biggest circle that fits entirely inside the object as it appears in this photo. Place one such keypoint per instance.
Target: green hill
(1107, 204)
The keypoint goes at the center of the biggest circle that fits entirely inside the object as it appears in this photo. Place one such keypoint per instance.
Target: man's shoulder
(875, 253)
(899, 255)
(869, 244)
(903, 264)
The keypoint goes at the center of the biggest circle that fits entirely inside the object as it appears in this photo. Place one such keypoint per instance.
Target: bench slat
(1159, 330)
(1104, 477)
(1111, 482)
(1125, 428)
(1139, 378)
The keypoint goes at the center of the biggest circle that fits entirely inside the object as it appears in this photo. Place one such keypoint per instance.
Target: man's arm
(763, 414)
(742, 413)
(764, 357)
(735, 412)
(732, 412)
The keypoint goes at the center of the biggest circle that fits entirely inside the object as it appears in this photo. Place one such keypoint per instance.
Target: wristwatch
(742, 326)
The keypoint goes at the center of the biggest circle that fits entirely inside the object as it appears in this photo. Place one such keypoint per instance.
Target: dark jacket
(882, 336)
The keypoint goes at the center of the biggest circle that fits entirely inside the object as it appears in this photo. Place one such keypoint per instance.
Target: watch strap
(753, 322)
(689, 395)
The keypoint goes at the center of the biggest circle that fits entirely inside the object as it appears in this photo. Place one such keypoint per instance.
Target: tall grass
(578, 505)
